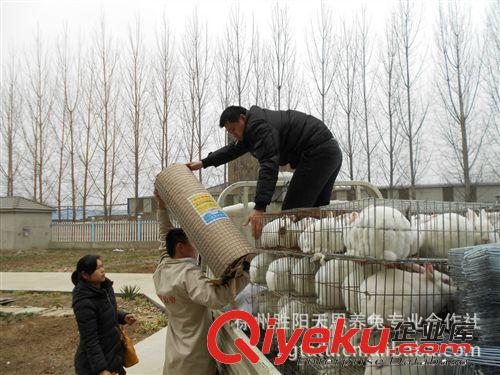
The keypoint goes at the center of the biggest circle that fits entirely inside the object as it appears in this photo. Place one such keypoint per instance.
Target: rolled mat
(212, 233)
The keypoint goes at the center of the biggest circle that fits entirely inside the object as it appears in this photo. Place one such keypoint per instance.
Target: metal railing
(358, 187)
(105, 231)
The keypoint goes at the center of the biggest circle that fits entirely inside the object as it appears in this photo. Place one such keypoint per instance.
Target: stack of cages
(373, 264)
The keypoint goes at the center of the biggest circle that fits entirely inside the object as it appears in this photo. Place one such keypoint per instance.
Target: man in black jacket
(278, 138)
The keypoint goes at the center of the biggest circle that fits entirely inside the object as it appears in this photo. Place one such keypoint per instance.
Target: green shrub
(130, 292)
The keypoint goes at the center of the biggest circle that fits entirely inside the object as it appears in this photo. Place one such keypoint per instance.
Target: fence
(105, 231)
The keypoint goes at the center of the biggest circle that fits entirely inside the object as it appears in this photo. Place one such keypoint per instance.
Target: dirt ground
(133, 261)
(46, 345)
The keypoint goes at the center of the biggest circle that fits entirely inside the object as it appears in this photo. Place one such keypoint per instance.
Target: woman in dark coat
(100, 351)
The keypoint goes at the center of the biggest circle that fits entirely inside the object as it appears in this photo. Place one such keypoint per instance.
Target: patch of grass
(138, 260)
(148, 327)
(18, 318)
(162, 320)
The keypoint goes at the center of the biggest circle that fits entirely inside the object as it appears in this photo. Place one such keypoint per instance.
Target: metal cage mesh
(378, 262)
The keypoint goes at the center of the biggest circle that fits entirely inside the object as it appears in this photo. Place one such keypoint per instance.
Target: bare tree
(412, 115)
(137, 100)
(197, 70)
(365, 52)
(235, 60)
(260, 80)
(460, 60)
(115, 187)
(323, 63)
(241, 50)
(11, 122)
(347, 92)
(492, 71)
(39, 101)
(70, 86)
(389, 127)
(59, 131)
(87, 140)
(106, 97)
(282, 58)
(163, 87)
(491, 85)
(224, 89)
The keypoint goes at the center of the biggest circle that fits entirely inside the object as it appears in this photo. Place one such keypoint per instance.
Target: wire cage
(377, 262)
(382, 229)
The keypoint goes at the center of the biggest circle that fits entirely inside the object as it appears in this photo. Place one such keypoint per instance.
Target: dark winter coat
(100, 345)
(275, 138)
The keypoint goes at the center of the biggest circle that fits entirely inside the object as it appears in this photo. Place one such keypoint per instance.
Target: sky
(20, 19)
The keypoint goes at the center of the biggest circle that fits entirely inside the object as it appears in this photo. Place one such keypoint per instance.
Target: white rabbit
(239, 210)
(327, 235)
(393, 291)
(328, 282)
(351, 283)
(303, 276)
(297, 314)
(444, 232)
(278, 276)
(279, 232)
(417, 226)
(259, 266)
(484, 231)
(380, 232)
(494, 219)
(306, 228)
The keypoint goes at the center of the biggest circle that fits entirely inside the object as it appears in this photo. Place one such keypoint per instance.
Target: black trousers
(313, 179)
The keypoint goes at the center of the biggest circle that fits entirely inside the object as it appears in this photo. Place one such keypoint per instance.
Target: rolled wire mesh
(215, 237)
(479, 269)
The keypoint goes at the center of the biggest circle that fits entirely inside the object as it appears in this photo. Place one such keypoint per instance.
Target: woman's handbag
(129, 355)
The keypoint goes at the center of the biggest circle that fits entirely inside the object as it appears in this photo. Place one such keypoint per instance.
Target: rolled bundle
(220, 243)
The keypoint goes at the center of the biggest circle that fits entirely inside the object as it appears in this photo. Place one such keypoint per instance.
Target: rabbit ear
(445, 279)
(417, 268)
(429, 270)
(484, 216)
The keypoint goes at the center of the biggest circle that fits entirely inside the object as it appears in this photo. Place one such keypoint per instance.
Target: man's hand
(161, 204)
(255, 218)
(130, 319)
(105, 372)
(195, 165)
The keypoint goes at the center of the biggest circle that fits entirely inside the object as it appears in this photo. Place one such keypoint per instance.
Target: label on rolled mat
(207, 208)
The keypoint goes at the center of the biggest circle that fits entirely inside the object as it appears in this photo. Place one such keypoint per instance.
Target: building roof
(23, 204)
(443, 185)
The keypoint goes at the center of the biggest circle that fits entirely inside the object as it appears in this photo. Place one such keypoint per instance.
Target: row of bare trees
(91, 120)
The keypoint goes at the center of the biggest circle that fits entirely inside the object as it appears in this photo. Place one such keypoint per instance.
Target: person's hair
(87, 264)
(231, 114)
(173, 237)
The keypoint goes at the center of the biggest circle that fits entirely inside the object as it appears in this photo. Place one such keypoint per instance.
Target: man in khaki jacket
(188, 298)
